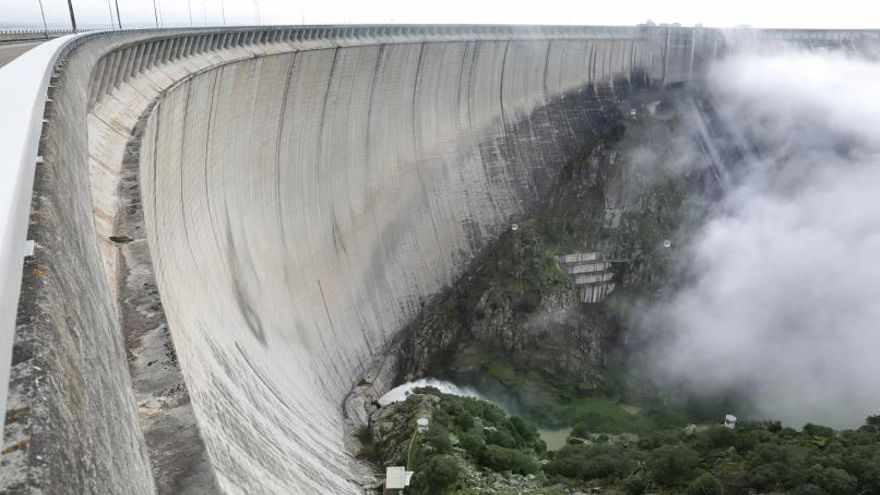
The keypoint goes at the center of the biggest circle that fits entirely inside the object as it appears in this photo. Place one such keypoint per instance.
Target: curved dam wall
(301, 207)
(275, 204)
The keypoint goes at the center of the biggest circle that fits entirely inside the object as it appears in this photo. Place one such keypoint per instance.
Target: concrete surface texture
(23, 89)
(314, 199)
(9, 51)
(302, 192)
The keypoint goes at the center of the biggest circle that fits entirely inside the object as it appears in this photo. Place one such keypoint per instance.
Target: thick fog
(783, 291)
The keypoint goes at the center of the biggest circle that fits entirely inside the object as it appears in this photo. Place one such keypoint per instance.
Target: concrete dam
(231, 227)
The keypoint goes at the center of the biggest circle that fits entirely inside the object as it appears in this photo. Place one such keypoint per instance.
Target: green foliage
(486, 435)
(818, 431)
(764, 457)
(504, 459)
(705, 485)
(809, 489)
(636, 484)
(758, 457)
(587, 462)
(833, 480)
(593, 414)
(777, 466)
(472, 440)
(437, 438)
(673, 465)
(439, 475)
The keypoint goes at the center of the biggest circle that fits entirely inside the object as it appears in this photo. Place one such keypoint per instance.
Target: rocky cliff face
(518, 317)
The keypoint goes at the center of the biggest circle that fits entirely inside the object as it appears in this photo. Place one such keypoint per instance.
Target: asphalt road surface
(11, 50)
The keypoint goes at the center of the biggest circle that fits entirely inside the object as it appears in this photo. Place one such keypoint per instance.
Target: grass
(598, 415)
(504, 373)
(568, 404)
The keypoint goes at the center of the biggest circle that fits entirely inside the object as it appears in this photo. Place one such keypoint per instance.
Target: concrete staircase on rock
(591, 273)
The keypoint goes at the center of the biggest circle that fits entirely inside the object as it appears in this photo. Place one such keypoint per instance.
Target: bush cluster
(756, 457)
(480, 433)
(760, 457)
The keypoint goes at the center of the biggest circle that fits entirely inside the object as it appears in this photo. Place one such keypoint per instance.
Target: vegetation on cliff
(514, 326)
(472, 446)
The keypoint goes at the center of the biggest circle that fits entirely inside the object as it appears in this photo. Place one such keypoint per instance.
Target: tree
(437, 476)
(673, 465)
(705, 485)
(503, 459)
(833, 480)
(636, 484)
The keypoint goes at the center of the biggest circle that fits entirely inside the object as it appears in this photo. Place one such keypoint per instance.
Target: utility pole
(72, 17)
(118, 19)
(43, 14)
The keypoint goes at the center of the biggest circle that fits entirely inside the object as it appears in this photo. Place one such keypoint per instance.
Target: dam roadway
(9, 51)
(231, 227)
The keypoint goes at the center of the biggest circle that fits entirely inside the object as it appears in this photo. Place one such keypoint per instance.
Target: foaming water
(400, 392)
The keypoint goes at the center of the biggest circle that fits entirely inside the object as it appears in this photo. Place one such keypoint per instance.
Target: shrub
(500, 438)
(717, 437)
(777, 466)
(705, 485)
(503, 459)
(809, 489)
(525, 431)
(636, 484)
(673, 465)
(583, 462)
(818, 430)
(472, 441)
(437, 476)
(437, 438)
(464, 420)
(833, 480)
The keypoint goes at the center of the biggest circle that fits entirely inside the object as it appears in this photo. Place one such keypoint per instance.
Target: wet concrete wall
(300, 207)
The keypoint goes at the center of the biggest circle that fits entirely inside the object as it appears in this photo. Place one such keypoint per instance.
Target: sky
(846, 14)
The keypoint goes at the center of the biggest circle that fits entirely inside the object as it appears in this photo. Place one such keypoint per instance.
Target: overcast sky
(758, 13)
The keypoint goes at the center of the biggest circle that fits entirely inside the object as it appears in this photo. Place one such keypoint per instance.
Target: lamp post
(72, 17)
(110, 9)
(43, 15)
(223, 12)
(118, 19)
(156, 13)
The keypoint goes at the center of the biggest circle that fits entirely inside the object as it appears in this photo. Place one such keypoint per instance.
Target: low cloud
(783, 298)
